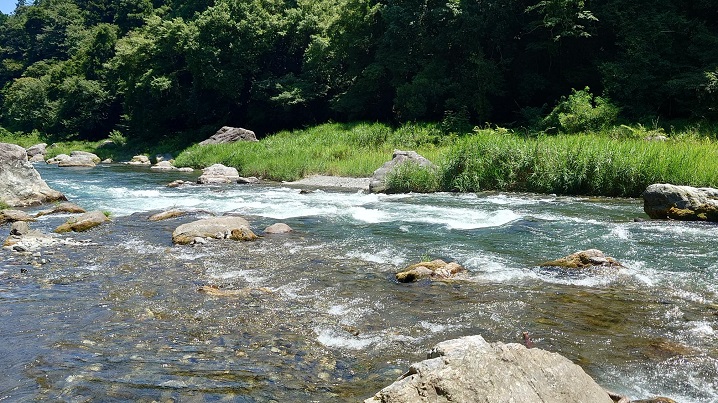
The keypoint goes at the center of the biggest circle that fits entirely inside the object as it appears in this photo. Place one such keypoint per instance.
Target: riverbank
(619, 161)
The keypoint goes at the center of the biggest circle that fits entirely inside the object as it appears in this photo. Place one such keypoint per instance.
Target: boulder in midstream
(583, 260)
(435, 270)
(662, 200)
(231, 227)
(83, 222)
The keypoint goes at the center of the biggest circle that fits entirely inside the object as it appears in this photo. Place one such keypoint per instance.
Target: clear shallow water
(321, 318)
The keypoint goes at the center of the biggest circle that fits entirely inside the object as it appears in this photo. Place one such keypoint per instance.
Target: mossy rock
(83, 222)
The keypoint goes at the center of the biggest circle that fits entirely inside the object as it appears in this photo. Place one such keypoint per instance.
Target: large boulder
(663, 201)
(78, 160)
(218, 173)
(37, 152)
(583, 260)
(229, 134)
(228, 227)
(378, 180)
(84, 154)
(83, 222)
(434, 270)
(20, 183)
(471, 370)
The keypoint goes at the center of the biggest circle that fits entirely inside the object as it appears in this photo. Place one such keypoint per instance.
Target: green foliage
(581, 112)
(411, 177)
(4, 205)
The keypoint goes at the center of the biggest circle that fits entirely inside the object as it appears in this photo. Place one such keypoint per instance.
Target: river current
(317, 315)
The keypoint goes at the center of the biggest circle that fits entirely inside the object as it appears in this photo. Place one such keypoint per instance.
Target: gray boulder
(229, 134)
(78, 160)
(20, 183)
(228, 227)
(37, 152)
(163, 166)
(140, 160)
(278, 228)
(218, 173)
(378, 180)
(84, 154)
(471, 370)
(62, 208)
(56, 159)
(9, 215)
(663, 201)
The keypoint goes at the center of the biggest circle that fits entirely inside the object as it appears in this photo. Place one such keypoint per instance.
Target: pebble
(19, 248)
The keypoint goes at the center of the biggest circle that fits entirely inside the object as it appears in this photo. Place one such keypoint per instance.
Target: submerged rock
(62, 208)
(218, 173)
(278, 228)
(471, 370)
(231, 227)
(583, 260)
(378, 180)
(229, 134)
(221, 292)
(435, 270)
(20, 184)
(83, 222)
(661, 201)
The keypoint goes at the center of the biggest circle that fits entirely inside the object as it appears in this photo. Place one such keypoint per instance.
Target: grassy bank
(617, 162)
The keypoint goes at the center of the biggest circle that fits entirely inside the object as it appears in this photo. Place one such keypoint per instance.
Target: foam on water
(342, 339)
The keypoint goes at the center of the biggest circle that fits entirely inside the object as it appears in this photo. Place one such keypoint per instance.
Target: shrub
(581, 112)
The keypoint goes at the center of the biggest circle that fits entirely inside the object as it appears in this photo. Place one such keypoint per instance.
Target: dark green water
(321, 318)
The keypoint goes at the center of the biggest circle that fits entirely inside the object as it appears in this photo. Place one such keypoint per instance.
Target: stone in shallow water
(65, 207)
(83, 222)
(435, 270)
(166, 215)
(232, 227)
(471, 370)
(662, 200)
(583, 260)
(278, 228)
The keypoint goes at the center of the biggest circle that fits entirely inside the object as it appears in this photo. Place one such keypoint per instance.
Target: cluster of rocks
(666, 201)
(20, 183)
(434, 270)
(225, 227)
(377, 184)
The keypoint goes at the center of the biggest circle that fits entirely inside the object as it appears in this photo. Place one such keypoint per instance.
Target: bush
(581, 112)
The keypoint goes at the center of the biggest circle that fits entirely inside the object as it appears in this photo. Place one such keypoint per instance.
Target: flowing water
(320, 317)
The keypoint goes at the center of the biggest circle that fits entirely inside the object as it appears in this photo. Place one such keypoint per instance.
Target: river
(120, 318)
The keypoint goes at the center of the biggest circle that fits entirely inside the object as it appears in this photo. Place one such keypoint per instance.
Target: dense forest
(155, 68)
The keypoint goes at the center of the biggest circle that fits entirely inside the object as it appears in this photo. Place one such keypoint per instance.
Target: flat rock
(9, 215)
(20, 183)
(471, 370)
(165, 215)
(662, 201)
(62, 208)
(163, 166)
(228, 134)
(83, 222)
(278, 228)
(227, 227)
(583, 260)
(435, 270)
(218, 173)
(81, 161)
(377, 183)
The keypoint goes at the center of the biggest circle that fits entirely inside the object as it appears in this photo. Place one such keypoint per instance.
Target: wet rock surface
(471, 370)
(83, 223)
(583, 260)
(228, 227)
(434, 270)
(661, 201)
(278, 228)
(62, 208)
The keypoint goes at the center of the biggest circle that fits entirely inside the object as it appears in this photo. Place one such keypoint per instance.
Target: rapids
(120, 318)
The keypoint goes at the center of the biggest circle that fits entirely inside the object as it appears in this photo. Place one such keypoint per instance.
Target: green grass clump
(411, 177)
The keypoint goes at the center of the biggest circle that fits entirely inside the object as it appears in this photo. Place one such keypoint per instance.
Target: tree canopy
(155, 68)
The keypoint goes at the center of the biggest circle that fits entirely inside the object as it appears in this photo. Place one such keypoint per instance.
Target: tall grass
(576, 164)
(334, 149)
